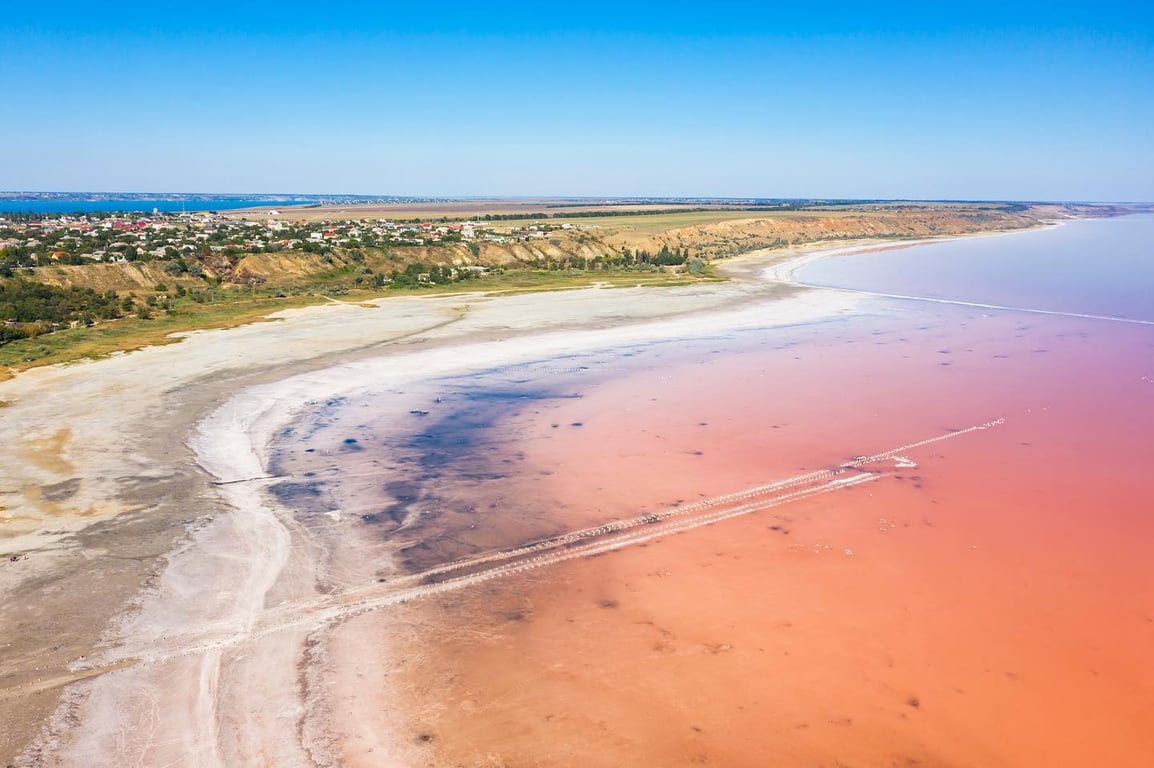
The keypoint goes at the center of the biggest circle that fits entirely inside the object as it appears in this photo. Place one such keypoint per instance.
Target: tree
(176, 267)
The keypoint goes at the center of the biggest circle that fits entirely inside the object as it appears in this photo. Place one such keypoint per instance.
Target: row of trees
(417, 274)
(666, 257)
(642, 260)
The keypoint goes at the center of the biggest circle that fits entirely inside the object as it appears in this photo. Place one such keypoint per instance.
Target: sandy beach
(112, 471)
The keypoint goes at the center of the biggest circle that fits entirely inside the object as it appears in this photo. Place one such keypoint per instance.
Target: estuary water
(112, 204)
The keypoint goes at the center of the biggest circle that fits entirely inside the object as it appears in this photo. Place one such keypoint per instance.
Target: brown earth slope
(728, 238)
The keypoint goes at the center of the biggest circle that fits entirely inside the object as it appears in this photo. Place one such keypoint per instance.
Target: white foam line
(979, 305)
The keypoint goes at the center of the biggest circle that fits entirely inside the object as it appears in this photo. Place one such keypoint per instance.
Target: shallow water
(988, 606)
(1097, 266)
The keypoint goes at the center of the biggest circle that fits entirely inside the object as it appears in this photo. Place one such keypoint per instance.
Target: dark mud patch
(56, 492)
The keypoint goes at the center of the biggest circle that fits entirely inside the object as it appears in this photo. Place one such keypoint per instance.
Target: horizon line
(613, 197)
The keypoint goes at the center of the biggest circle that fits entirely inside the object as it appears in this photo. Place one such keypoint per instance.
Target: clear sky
(920, 100)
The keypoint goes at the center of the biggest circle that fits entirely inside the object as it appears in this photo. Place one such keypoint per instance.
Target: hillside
(720, 239)
(591, 244)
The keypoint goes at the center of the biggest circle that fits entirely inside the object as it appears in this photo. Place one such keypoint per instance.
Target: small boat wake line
(333, 608)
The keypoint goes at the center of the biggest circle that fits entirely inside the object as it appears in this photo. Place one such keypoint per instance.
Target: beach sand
(193, 620)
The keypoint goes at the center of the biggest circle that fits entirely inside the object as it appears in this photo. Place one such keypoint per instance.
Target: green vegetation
(29, 309)
(531, 280)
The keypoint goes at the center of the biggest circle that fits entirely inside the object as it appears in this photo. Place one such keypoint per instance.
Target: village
(31, 241)
(76, 271)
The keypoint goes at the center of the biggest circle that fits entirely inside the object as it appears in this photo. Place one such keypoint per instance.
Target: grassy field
(622, 216)
(652, 223)
(636, 231)
(458, 210)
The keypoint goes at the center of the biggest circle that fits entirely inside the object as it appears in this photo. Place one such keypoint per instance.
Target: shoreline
(786, 271)
(233, 444)
(433, 325)
(203, 370)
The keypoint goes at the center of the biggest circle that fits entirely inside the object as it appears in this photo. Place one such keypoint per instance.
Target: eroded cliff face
(729, 238)
(291, 268)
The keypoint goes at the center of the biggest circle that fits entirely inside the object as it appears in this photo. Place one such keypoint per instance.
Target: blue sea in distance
(1094, 266)
(143, 205)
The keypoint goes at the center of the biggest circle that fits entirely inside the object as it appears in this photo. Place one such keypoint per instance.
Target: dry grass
(652, 223)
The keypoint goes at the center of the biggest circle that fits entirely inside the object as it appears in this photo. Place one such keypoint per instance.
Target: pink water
(993, 605)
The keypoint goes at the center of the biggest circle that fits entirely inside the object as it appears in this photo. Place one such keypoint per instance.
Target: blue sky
(917, 100)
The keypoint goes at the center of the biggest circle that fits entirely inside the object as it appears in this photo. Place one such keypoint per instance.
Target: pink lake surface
(992, 606)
